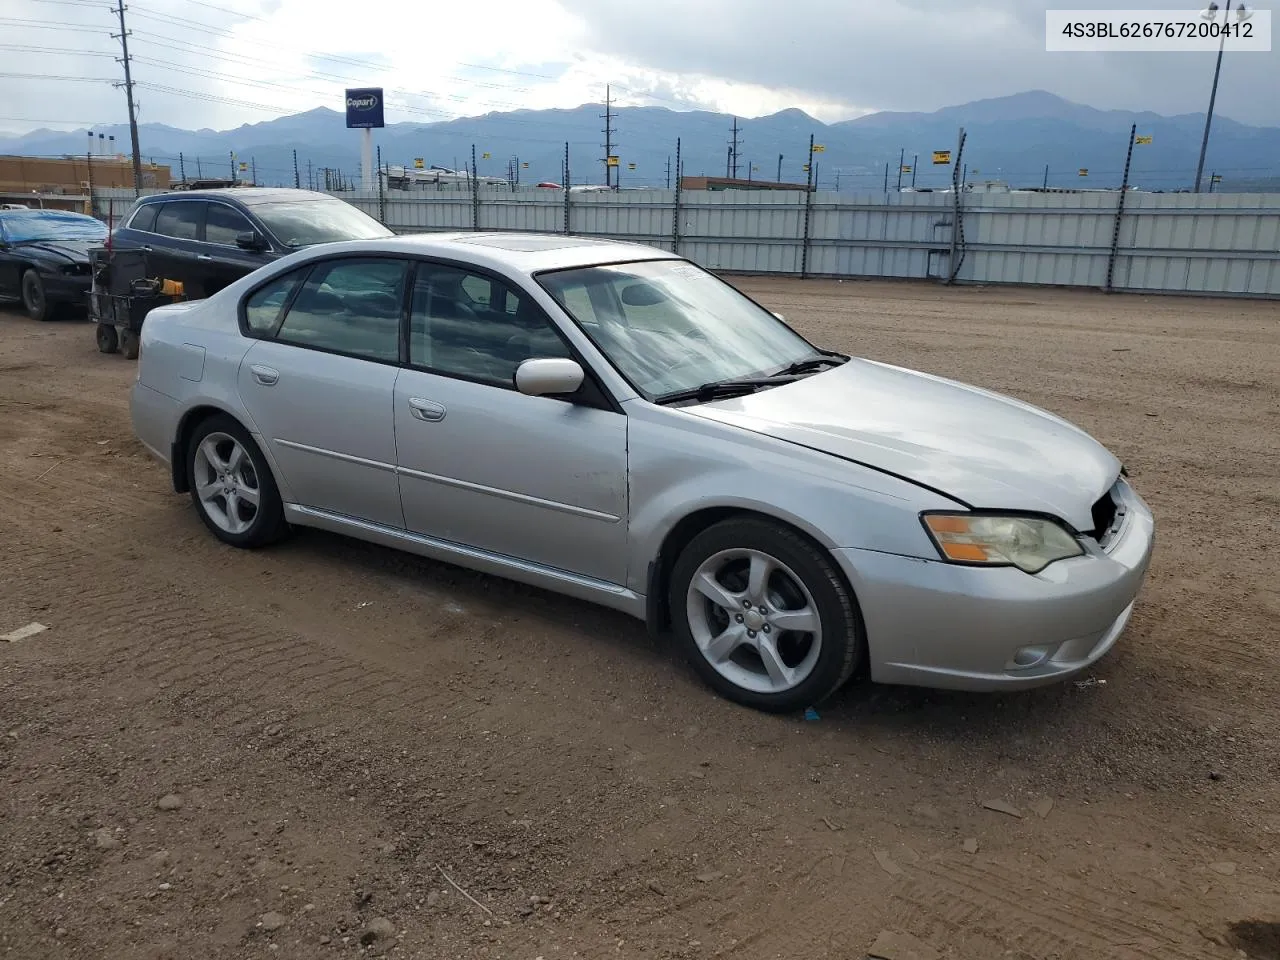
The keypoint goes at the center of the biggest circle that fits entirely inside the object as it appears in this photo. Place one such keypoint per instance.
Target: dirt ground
(361, 751)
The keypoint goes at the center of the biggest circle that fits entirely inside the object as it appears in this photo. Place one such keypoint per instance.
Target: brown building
(729, 183)
(73, 175)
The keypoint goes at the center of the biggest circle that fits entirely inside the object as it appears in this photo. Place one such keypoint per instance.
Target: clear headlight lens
(1028, 543)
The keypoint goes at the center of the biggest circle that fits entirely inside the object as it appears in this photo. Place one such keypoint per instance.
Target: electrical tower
(733, 151)
(608, 135)
(128, 89)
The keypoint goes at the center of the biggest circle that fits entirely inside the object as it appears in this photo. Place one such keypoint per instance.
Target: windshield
(27, 225)
(300, 223)
(669, 326)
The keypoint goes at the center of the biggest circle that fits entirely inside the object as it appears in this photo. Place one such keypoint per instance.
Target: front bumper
(936, 624)
(67, 288)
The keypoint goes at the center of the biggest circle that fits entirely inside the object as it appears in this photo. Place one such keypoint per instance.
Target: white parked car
(612, 422)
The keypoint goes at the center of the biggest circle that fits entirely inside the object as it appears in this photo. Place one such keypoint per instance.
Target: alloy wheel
(754, 621)
(226, 482)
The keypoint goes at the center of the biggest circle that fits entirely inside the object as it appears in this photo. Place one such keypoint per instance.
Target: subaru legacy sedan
(615, 423)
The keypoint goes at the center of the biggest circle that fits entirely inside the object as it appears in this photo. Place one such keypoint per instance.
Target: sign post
(365, 113)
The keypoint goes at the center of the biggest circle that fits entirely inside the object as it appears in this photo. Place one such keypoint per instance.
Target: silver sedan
(612, 422)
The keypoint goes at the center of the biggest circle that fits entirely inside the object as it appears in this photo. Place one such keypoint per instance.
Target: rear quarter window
(144, 218)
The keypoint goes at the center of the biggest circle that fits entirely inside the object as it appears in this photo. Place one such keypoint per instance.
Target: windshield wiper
(812, 364)
(723, 389)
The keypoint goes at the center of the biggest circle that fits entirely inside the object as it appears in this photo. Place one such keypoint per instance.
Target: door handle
(264, 375)
(146, 248)
(427, 410)
(204, 256)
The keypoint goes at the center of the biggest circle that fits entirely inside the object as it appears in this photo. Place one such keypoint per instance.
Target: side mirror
(540, 377)
(250, 240)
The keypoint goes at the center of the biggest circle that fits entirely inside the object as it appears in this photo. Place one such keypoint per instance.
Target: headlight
(1028, 543)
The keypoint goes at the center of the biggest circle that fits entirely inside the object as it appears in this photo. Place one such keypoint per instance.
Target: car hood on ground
(60, 251)
(987, 450)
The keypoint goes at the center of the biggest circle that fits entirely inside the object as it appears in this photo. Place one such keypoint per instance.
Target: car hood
(986, 450)
(60, 251)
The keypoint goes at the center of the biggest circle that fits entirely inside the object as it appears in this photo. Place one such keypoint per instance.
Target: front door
(319, 383)
(222, 262)
(481, 464)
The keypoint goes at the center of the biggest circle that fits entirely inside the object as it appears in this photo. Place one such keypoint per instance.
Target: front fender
(680, 465)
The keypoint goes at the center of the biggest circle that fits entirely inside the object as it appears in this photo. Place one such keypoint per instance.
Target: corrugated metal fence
(1224, 244)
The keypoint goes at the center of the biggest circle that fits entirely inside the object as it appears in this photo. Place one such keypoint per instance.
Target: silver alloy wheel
(754, 620)
(226, 481)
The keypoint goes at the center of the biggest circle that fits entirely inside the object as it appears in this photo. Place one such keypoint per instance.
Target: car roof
(49, 212)
(249, 196)
(519, 252)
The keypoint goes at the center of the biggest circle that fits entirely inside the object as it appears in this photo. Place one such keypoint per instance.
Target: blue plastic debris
(811, 714)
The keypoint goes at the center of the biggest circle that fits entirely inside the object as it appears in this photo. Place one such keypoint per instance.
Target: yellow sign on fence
(419, 163)
(942, 156)
(612, 161)
(1084, 172)
(1146, 139)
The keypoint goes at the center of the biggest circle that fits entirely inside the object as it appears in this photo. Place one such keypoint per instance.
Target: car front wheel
(34, 300)
(764, 616)
(232, 486)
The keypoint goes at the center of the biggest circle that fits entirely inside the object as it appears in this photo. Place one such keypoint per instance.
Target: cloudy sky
(206, 64)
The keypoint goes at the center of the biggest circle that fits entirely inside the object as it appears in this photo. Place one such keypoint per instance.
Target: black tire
(843, 637)
(108, 341)
(129, 344)
(268, 524)
(34, 300)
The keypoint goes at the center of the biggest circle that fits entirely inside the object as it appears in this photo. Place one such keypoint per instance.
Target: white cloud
(832, 58)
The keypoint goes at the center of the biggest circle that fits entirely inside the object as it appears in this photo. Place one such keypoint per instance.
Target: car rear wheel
(34, 300)
(232, 486)
(764, 616)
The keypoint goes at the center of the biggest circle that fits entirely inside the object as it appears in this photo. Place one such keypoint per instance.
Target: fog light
(1029, 657)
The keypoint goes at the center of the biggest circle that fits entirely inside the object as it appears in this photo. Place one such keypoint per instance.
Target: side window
(349, 306)
(144, 218)
(223, 223)
(450, 332)
(262, 308)
(181, 220)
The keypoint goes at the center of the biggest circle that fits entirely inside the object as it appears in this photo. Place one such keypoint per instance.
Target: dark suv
(209, 238)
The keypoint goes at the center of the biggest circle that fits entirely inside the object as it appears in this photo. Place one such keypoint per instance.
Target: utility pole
(733, 151)
(128, 90)
(915, 162)
(253, 163)
(297, 180)
(608, 134)
(1046, 177)
(902, 155)
(778, 179)
(199, 170)
(886, 176)
(182, 167)
(1217, 72)
(311, 180)
(728, 161)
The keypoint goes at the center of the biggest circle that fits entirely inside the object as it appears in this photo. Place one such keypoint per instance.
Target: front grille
(1108, 515)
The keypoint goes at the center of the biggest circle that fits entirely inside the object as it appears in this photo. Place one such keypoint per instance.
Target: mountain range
(1011, 138)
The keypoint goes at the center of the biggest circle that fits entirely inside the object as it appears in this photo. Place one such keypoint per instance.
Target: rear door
(318, 385)
(221, 261)
(178, 243)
